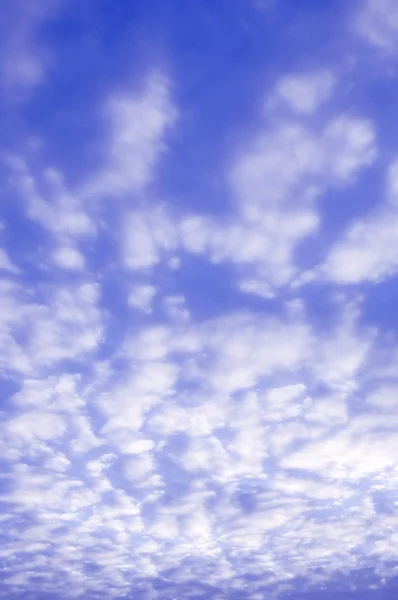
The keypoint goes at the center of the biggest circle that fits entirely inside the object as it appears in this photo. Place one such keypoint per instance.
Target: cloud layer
(198, 396)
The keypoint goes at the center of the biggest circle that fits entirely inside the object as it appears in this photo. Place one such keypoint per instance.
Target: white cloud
(49, 203)
(208, 454)
(346, 457)
(146, 237)
(5, 262)
(70, 326)
(365, 251)
(305, 92)
(200, 420)
(82, 438)
(342, 355)
(140, 248)
(58, 463)
(69, 258)
(281, 165)
(126, 406)
(64, 214)
(139, 122)
(392, 184)
(152, 343)
(139, 467)
(385, 398)
(290, 155)
(55, 391)
(275, 180)
(257, 287)
(328, 411)
(96, 467)
(236, 366)
(24, 60)
(196, 233)
(272, 164)
(377, 22)
(141, 297)
(266, 246)
(349, 147)
(67, 326)
(175, 308)
(36, 425)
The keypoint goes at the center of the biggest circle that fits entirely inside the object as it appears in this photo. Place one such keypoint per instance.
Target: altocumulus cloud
(197, 322)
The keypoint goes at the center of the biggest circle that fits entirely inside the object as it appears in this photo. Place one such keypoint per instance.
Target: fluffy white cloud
(69, 258)
(175, 308)
(385, 398)
(138, 122)
(196, 233)
(141, 297)
(365, 251)
(67, 326)
(237, 366)
(59, 211)
(36, 425)
(349, 147)
(58, 463)
(127, 406)
(328, 411)
(275, 181)
(305, 92)
(140, 247)
(377, 23)
(273, 168)
(56, 391)
(146, 237)
(346, 457)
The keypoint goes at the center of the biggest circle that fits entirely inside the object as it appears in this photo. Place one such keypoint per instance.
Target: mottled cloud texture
(198, 273)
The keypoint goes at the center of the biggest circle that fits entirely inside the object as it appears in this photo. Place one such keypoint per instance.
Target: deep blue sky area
(198, 300)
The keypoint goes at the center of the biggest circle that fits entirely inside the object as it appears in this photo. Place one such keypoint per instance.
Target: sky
(198, 304)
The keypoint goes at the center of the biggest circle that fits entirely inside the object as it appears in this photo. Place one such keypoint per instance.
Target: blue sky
(198, 307)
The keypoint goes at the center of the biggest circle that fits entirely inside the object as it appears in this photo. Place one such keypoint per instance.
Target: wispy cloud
(377, 23)
(303, 93)
(24, 59)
